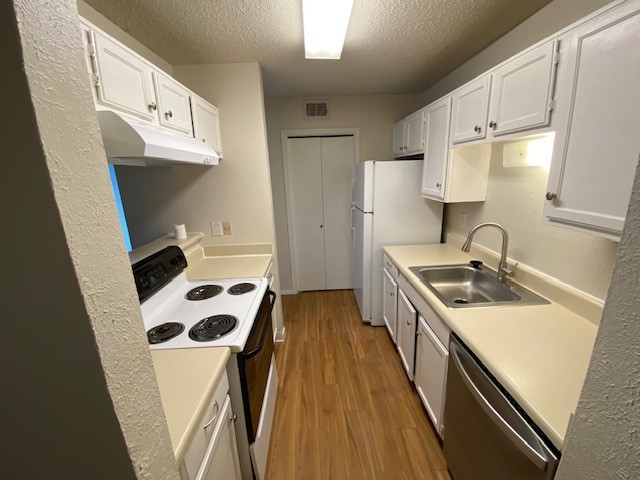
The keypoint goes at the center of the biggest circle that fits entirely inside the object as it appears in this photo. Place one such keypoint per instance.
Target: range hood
(131, 142)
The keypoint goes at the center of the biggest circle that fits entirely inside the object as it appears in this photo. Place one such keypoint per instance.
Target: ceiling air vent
(315, 109)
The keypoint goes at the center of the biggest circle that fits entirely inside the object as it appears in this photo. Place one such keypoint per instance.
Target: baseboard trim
(286, 292)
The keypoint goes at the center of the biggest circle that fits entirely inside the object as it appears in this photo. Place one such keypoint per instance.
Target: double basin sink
(467, 286)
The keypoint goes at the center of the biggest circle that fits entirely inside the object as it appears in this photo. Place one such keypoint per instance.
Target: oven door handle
(255, 351)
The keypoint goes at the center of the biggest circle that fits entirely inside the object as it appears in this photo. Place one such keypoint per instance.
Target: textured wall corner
(73, 158)
(604, 440)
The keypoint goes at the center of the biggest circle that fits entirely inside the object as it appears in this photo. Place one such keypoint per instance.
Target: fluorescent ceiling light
(325, 27)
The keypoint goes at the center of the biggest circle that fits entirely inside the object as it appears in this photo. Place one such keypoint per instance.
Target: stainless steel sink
(464, 286)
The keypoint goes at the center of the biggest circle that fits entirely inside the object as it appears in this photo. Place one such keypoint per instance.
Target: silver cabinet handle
(493, 124)
(213, 418)
(438, 185)
(388, 264)
(169, 113)
(536, 458)
(477, 129)
(270, 276)
(233, 418)
(153, 106)
(551, 196)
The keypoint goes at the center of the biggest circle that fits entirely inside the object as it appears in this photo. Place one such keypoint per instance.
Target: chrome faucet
(503, 270)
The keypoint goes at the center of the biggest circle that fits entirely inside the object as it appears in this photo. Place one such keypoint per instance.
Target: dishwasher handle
(532, 454)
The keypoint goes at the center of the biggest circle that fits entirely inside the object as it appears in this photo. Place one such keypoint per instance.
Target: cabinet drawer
(390, 266)
(437, 325)
(202, 434)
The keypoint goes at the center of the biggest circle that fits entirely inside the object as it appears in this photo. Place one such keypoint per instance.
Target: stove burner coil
(204, 292)
(241, 288)
(212, 328)
(164, 332)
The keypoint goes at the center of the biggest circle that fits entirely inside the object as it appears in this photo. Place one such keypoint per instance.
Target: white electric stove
(234, 313)
(218, 313)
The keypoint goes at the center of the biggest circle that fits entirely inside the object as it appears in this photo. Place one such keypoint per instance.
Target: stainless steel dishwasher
(485, 437)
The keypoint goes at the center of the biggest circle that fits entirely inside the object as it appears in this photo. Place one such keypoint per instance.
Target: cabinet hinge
(552, 104)
(556, 58)
(96, 80)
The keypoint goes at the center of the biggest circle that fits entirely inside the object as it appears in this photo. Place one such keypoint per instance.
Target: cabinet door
(431, 372)
(436, 153)
(124, 80)
(406, 334)
(398, 139)
(174, 104)
(389, 303)
(597, 142)
(414, 133)
(221, 458)
(206, 123)
(470, 105)
(521, 91)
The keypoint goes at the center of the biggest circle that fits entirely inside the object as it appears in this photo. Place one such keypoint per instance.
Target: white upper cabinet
(123, 80)
(521, 91)
(174, 102)
(597, 121)
(436, 153)
(414, 133)
(206, 123)
(398, 139)
(470, 105)
(408, 135)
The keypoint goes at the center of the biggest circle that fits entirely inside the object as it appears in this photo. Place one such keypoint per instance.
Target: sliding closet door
(337, 171)
(306, 213)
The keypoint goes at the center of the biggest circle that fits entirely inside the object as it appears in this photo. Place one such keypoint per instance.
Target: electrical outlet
(226, 228)
(216, 229)
(462, 220)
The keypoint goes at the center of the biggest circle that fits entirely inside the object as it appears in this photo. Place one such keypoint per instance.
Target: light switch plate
(216, 229)
(462, 220)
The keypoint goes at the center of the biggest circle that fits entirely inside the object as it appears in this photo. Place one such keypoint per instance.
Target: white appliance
(387, 209)
(128, 141)
(234, 313)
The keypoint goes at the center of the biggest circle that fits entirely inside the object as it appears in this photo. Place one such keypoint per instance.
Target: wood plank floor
(345, 408)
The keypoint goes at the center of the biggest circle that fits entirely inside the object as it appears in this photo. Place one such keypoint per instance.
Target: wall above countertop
(515, 199)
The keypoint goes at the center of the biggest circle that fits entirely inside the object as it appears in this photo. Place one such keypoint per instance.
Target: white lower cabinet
(389, 303)
(406, 333)
(213, 450)
(430, 372)
(221, 460)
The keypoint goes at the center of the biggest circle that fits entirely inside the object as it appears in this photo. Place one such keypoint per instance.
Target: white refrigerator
(387, 208)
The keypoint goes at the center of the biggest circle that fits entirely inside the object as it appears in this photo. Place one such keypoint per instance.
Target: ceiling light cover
(325, 27)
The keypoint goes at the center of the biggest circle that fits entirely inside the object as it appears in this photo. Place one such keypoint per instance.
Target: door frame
(286, 164)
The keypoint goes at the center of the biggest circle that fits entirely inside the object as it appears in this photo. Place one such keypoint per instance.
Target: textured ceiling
(392, 46)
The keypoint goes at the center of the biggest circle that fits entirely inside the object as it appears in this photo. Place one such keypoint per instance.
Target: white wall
(79, 397)
(111, 29)
(515, 196)
(237, 190)
(373, 114)
(515, 199)
(548, 20)
(602, 442)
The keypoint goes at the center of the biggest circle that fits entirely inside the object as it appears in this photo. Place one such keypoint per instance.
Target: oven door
(254, 363)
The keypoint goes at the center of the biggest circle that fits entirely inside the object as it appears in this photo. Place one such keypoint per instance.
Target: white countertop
(540, 354)
(187, 378)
